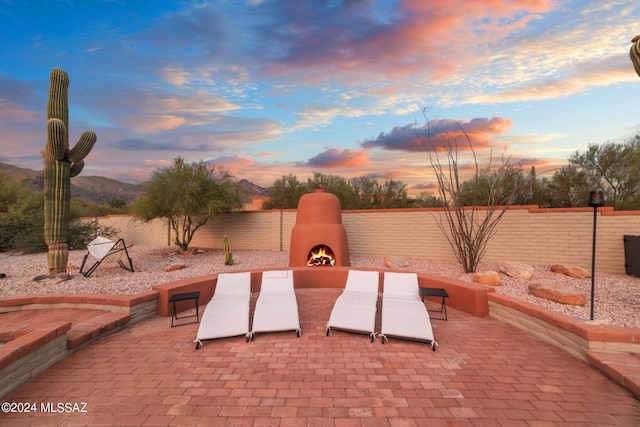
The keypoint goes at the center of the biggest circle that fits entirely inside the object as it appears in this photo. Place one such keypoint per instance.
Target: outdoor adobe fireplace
(319, 238)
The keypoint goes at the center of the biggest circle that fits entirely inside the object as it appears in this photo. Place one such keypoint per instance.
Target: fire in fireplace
(321, 255)
(319, 230)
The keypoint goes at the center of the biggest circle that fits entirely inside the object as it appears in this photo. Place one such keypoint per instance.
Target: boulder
(396, 262)
(517, 270)
(558, 293)
(489, 278)
(174, 267)
(571, 271)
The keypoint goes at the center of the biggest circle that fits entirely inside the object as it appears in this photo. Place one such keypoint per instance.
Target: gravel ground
(617, 295)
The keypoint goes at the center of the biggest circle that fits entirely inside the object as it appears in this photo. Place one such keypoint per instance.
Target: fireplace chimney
(318, 223)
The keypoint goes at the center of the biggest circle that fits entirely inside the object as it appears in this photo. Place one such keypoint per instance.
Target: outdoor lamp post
(596, 200)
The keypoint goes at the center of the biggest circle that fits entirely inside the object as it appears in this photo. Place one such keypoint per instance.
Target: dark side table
(195, 296)
(436, 292)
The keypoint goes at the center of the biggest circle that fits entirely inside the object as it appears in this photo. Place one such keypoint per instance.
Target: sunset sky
(269, 88)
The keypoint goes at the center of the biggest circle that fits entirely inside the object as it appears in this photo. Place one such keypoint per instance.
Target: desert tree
(285, 193)
(334, 184)
(467, 227)
(186, 195)
(568, 187)
(363, 192)
(613, 168)
(427, 199)
(497, 184)
(370, 194)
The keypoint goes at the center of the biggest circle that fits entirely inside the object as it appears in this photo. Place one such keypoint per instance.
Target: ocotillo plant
(60, 164)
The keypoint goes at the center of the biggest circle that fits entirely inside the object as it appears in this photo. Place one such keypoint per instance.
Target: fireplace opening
(321, 255)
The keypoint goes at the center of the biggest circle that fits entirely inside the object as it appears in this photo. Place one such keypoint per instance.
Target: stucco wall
(526, 233)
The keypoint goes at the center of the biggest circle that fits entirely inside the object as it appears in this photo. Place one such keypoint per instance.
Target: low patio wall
(465, 296)
(574, 336)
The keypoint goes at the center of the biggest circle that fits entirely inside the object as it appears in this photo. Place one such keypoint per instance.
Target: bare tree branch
(468, 229)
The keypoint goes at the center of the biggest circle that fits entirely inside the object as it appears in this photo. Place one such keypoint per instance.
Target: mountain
(253, 190)
(98, 189)
(92, 189)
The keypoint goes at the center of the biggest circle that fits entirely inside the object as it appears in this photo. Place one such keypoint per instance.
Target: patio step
(623, 368)
(90, 329)
(31, 341)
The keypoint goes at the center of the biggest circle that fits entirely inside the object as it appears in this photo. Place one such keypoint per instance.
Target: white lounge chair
(101, 249)
(277, 307)
(227, 314)
(355, 308)
(404, 315)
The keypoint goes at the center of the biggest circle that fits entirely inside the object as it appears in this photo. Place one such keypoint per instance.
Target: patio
(484, 372)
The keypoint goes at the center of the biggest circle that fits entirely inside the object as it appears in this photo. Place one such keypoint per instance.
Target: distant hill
(92, 189)
(98, 189)
(253, 190)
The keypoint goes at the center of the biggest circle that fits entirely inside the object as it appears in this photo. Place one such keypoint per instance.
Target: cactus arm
(83, 147)
(76, 168)
(56, 139)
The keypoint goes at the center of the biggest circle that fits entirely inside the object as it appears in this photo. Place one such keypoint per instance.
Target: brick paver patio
(484, 373)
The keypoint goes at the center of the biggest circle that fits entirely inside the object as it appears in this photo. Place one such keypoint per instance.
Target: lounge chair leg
(198, 344)
(84, 260)
(298, 333)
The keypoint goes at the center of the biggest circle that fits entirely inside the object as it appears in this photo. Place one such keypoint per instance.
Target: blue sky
(268, 88)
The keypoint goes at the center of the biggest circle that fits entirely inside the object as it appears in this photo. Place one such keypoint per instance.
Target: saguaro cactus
(634, 53)
(60, 164)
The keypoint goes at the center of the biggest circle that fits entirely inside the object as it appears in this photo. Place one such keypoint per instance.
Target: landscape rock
(558, 293)
(396, 262)
(174, 267)
(54, 278)
(571, 271)
(517, 270)
(489, 278)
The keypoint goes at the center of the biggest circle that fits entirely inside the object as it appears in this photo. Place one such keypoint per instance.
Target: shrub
(81, 233)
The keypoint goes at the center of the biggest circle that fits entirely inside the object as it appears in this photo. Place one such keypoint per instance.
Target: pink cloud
(337, 158)
(438, 133)
(425, 186)
(417, 37)
(235, 164)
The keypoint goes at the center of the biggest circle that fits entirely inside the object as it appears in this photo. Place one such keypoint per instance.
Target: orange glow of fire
(321, 255)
